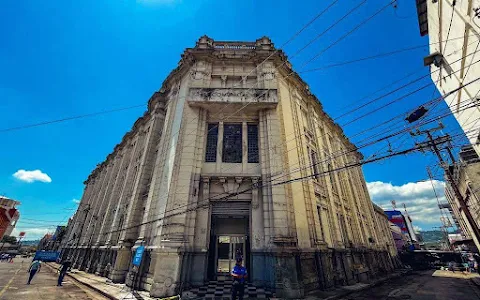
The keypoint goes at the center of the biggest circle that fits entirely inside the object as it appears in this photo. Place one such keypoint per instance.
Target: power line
(341, 152)
(395, 100)
(236, 112)
(380, 55)
(348, 33)
(401, 87)
(70, 118)
(275, 184)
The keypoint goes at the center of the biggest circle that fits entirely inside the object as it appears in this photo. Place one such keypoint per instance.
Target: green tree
(9, 239)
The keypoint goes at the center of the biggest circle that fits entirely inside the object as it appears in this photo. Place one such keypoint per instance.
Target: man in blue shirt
(239, 274)
(34, 268)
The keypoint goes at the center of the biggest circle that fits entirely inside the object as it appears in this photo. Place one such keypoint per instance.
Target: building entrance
(229, 248)
(229, 239)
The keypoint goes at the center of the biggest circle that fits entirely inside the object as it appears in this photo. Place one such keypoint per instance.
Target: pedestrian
(239, 274)
(108, 269)
(471, 265)
(34, 268)
(238, 255)
(477, 259)
(451, 266)
(64, 268)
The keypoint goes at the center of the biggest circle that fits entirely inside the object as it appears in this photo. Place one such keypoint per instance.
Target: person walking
(239, 274)
(64, 268)
(33, 269)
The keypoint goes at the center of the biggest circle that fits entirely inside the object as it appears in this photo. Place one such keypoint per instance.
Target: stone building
(386, 239)
(9, 215)
(466, 174)
(453, 29)
(207, 172)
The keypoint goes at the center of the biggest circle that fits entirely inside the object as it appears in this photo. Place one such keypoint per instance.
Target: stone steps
(222, 290)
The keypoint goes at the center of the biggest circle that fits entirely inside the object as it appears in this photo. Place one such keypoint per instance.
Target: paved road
(13, 278)
(422, 286)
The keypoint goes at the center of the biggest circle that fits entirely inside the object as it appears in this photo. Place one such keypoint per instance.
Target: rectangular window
(252, 143)
(232, 143)
(343, 229)
(333, 182)
(212, 138)
(319, 212)
(315, 168)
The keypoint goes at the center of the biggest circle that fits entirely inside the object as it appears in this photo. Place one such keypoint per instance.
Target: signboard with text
(47, 256)
(137, 258)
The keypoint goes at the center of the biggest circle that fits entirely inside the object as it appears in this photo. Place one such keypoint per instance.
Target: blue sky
(59, 60)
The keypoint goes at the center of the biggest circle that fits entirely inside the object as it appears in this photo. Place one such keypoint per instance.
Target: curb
(103, 293)
(475, 282)
(371, 285)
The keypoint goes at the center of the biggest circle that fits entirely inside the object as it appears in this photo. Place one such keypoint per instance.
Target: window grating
(315, 169)
(232, 143)
(212, 138)
(252, 143)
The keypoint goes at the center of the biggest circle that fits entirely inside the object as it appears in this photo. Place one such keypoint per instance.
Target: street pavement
(422, 286)
(14, 276)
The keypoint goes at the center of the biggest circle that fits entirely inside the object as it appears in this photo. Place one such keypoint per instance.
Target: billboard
(48, 256)
(397, 218)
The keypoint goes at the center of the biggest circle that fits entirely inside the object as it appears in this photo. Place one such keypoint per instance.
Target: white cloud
(31, 233)
(417, 228)
(76, 201)
(419, 198)
(32, 176)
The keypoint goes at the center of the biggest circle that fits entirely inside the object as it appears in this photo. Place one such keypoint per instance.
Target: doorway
(229, 239)
(229, 248)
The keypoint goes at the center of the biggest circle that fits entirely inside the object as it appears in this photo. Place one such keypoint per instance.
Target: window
(332, 178)
(319, 212)
(212, 138)
(315, 169)
(252, 143)
(343, 228)
(232, 143)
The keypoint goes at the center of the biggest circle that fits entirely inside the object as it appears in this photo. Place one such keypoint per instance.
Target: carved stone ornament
(230, 185)
(255, 200)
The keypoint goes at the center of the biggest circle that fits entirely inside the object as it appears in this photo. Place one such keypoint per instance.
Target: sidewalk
(348, 289)
(114, 291)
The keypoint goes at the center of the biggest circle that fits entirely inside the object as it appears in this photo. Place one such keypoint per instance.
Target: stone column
(92, 220)
(103, 208)
(133, 216)
(333, 209)
(158, 120)
(219, 146)
(123, 182)
(113, 200)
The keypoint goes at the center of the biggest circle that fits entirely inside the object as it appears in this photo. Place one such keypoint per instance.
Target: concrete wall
(454, 32)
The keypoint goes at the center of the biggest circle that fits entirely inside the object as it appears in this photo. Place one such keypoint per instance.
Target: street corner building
(9, 215)
(234, 157)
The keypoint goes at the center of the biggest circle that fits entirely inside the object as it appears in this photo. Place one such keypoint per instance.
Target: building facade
(211, 171)
(466, 174)
(9, 215)
(386, 239)
(453, 28)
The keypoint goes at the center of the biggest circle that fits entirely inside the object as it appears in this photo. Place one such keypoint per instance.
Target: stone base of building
(289, 273)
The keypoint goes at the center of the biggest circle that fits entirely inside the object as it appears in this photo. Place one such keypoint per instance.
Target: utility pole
(432, 143)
